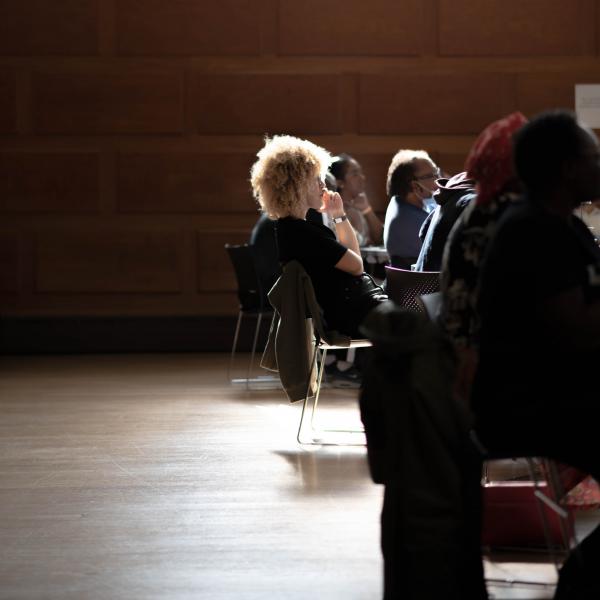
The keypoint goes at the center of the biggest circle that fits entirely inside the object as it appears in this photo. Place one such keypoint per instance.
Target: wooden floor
(150, 476)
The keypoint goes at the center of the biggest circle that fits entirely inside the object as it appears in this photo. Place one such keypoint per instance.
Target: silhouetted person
(491, 164)
(535, 391)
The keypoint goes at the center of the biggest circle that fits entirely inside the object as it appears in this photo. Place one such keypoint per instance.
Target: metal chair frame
(309, 406)
(567, 530)
(253, 302)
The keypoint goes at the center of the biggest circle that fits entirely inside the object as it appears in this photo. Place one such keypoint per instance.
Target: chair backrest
(250, 292)
(404, 287)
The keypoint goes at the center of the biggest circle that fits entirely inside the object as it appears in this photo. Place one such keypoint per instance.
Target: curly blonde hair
(281, 175)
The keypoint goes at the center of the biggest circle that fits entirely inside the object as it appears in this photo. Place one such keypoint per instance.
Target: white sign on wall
(587, 104)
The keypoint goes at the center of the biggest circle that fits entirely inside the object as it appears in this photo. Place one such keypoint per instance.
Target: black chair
(405, 287)
(253, 299)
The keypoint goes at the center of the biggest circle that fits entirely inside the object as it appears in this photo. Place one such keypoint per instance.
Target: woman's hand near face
(351, 262)
(332, 204)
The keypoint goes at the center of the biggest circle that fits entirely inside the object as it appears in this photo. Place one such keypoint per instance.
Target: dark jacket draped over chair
(291, 345)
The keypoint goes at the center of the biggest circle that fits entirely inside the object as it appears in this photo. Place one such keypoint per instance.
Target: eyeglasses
(435, 175)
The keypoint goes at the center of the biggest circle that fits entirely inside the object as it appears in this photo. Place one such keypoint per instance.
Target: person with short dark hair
(411, 181)
(535, 390)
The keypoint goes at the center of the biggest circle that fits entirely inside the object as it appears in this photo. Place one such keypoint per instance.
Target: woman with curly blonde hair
(288, 180)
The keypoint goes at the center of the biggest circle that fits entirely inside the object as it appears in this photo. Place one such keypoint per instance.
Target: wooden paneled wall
(127, 127)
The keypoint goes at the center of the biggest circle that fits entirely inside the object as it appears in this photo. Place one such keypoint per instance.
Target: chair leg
(567, 525)
(307, 397)
(567, 528)
(542, 501)
(234, 346)
(254, 342)
(313, 408)
(318, 391)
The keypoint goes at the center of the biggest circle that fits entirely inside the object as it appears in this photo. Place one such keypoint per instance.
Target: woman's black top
(345, 299)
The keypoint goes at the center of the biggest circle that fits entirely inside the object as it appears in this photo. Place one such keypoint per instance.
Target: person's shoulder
(395, 204)
(405, 209)
(527, 215)
(465, 200)
(530, 227)
(289, 224)
(286, 228)
(264, 225)
(518, 215)
(305, 228)
(402, 205)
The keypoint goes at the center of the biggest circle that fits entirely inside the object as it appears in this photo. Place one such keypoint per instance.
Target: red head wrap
(490, 161)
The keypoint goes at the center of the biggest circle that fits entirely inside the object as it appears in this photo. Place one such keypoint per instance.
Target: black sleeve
(322, 246)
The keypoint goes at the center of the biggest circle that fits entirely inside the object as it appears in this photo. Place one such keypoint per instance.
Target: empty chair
(253, 299)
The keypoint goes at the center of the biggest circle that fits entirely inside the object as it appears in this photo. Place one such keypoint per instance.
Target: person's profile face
(354, 179)
(426, 175)
(316, 186)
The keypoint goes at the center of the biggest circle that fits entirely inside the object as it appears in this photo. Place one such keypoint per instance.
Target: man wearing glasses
(411, 181)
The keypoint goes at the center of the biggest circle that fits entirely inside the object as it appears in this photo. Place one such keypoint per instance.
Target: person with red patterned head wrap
(490, 161)
(535, 391)
(490, 164)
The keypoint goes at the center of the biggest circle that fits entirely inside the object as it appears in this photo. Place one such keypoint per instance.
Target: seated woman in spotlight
(350, 183)
(288, 180)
